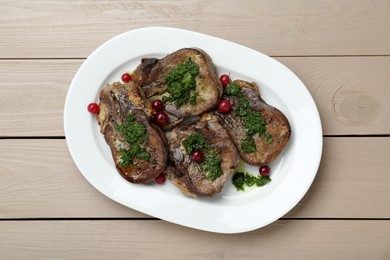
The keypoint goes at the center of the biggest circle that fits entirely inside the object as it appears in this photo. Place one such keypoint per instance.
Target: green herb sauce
(133, 132)
(136, 136)
(182, 84)
(252, 120)
(212, 165)
(193, 142)
(212, 161)
(241, 180)
(248, 145)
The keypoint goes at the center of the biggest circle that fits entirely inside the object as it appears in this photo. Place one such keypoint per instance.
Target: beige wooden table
(339, 48)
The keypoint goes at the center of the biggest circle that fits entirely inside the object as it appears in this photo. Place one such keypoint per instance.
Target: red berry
(126, 77)
(161, 118)
(264, 170)
(224, 106)
(93, 108)
(158, 105)
(225, 80)
(161, 178)
(197, 156)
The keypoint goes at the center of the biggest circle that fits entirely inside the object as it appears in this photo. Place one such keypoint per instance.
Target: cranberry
(264, 170)
(197, 156)
(158, 105)
(161, 178)
(161, 118)
(224, 106)
(126, 77)
(93, 108)
(225, 80)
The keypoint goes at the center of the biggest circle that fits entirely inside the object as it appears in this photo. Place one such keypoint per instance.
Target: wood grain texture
(39, 180)
(75, 28)
(32, 94)
(351, 94)
(287, 239)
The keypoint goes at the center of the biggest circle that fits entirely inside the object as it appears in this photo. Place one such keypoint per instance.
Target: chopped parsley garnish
(241, 179)
(212, 165)
(135, 151)
(133, 132)
(136, 136)
(248, 145)
(212, 162)
(192, 99)
(232, 89)
(193, 142)
(182, 84)
(252, 120)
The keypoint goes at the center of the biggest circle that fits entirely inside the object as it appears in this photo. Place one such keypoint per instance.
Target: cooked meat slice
(259, 134)
(137, 145)
(171, 79)
(220, 156)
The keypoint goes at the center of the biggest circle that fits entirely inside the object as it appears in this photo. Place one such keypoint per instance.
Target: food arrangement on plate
(175, 117)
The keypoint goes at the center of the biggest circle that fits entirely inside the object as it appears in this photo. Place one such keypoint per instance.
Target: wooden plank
(287, 239)
(351, 94)
(39, 180)
(75, 28)
(349, 183)
(32, 94)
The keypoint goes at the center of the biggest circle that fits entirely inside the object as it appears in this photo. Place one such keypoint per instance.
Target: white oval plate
(228, 212)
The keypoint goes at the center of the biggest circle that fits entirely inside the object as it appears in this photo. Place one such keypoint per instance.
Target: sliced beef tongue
(277, 127)
(120, 106)
(193, 178)
(152, 74)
